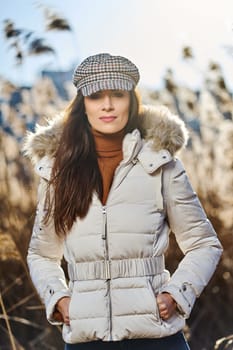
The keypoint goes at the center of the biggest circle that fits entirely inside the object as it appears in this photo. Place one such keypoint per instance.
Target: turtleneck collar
(108, 143)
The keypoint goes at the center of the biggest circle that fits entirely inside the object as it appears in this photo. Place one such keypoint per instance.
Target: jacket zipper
(105, 238)
(104, 230)
(107, 267)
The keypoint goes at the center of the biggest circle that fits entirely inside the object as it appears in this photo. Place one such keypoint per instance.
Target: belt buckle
(107, 270)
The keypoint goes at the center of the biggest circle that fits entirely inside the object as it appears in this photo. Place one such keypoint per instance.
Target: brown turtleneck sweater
(109, 152)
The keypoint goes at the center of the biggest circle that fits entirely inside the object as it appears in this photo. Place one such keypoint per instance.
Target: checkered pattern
(105, 72)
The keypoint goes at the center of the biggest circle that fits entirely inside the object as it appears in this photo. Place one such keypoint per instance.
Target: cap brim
(107, 84)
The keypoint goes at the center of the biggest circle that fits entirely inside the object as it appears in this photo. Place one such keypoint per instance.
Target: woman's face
(108, 110)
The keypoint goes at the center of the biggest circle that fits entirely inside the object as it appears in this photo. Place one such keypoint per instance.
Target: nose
(107, 103)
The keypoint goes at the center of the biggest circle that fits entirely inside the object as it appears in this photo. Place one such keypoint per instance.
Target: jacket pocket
(153, 295)
(72, 292)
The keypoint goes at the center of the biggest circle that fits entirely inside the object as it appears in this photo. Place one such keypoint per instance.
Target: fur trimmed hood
(159, 125)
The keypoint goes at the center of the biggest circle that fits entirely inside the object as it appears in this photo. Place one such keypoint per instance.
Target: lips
(108, 119)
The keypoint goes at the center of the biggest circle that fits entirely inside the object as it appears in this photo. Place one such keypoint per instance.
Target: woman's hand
(166, 305)
(62, 310)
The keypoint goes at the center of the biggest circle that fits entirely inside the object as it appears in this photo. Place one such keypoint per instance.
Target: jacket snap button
(184, 288)
(164, 157)
(151, 165)
(40, 168)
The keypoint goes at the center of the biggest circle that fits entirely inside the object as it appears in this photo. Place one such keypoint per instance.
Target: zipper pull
(104, 229)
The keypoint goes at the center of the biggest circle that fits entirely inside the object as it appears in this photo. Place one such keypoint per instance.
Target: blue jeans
(173, 342)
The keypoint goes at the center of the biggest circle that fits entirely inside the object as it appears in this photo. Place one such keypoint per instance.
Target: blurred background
(184, 50)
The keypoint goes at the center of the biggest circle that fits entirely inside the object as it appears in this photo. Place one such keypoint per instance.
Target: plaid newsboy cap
(105, 72)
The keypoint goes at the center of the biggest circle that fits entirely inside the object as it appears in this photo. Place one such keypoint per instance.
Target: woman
(111, 190)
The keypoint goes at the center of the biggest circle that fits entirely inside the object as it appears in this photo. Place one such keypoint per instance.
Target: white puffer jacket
(115, 254)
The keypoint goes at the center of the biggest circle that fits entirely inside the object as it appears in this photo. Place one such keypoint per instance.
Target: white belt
(109, 269)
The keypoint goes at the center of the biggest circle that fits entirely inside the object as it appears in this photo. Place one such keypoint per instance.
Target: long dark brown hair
(75, 174)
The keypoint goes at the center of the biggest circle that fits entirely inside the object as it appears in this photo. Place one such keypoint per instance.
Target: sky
(149, 32)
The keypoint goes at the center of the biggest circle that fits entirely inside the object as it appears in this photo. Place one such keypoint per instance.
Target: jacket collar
(151, 160)
(132, 144)
(135, 149)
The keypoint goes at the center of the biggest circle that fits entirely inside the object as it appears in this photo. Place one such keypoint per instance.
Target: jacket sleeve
(195, 237)
(44, 259)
